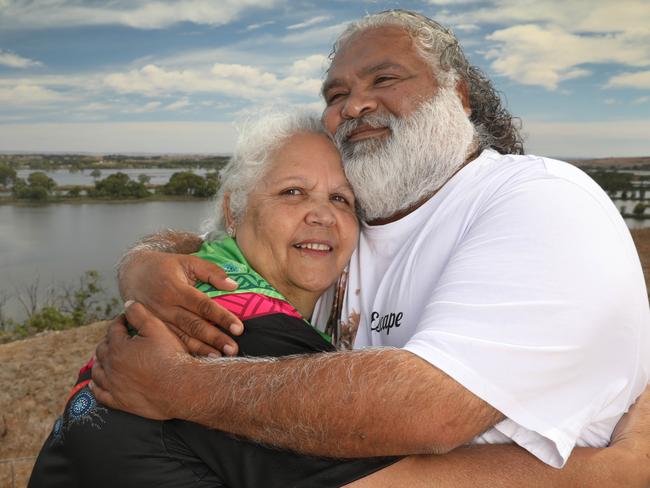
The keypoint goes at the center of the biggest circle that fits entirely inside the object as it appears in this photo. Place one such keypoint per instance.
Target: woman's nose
(321, 214)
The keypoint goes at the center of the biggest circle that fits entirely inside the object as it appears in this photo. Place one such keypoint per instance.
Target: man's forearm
(168, 241)
(509, 466)
(363, 403)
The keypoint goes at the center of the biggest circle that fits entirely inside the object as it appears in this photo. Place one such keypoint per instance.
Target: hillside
(37, 374)
(614, 162)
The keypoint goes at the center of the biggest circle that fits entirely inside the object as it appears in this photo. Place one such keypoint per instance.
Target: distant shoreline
(83, 200)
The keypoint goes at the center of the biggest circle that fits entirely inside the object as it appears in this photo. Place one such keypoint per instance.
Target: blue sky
(172, 76)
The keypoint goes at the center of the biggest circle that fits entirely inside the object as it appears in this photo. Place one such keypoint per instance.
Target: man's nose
(358, 104)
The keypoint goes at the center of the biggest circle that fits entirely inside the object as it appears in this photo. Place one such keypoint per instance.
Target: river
(58, 242)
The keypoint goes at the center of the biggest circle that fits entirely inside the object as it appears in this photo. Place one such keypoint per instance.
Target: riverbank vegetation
(40, 188)
(80, 162)
(58, 306)
(625, 186)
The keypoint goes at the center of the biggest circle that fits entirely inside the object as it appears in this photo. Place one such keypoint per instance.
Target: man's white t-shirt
(520, 280)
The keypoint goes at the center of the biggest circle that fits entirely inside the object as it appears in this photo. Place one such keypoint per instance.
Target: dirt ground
(35, 379)
(37, 373)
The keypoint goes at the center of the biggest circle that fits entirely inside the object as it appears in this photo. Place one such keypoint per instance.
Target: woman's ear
(227, 212)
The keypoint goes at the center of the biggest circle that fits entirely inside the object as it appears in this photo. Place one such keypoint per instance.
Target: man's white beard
(421, 154)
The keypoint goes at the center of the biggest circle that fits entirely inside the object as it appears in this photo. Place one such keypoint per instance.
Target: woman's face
(300, 228)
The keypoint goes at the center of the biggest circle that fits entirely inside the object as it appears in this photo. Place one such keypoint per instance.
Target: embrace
(494, 302)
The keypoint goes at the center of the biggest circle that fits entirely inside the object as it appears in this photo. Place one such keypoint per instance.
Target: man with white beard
(507, 286)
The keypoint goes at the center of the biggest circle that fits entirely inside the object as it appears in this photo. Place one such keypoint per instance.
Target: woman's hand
(164, 283)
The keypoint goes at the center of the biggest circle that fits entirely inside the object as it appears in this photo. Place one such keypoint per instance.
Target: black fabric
(93, 446)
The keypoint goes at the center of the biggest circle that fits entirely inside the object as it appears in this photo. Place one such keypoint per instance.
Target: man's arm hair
(167, 241)
(510, 466)
(373, 402)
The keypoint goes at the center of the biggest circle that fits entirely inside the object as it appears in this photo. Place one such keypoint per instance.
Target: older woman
(285, 229)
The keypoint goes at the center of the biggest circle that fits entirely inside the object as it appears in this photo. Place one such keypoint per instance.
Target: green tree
(34, 190)
(613, 181)
(639, 209)
(38, 178)
(96, 173)
(74, 192)
(188, 184)
(7, 175)
(144, 179)
(119, 185)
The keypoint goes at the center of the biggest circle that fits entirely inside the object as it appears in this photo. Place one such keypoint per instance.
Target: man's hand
(127, 369)
(164, 283)
(632, 435)
(626, 463)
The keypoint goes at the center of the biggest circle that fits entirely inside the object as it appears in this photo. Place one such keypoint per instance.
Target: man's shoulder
(506, 171)
(525, 164)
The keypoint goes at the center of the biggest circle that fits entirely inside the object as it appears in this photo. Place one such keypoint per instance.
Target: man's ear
(462, 89)
(227, 213)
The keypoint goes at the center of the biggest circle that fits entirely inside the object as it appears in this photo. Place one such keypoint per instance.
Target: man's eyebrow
(329, 84)
(336, 82)
(382, 66)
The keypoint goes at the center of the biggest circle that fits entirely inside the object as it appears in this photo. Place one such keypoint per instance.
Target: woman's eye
(340, 199)
(291, 192)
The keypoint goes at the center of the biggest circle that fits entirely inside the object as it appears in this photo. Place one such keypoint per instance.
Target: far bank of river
(64, 177)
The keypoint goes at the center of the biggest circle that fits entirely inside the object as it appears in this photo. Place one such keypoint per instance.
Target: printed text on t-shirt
(385, 322)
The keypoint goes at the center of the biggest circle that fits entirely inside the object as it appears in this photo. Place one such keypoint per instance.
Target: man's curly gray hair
(259, 137)
(495, 126)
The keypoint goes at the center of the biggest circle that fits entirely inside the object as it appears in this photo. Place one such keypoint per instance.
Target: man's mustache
(375, 121)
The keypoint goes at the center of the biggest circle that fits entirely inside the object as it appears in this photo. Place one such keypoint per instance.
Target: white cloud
(234, 80)
(610, 101)
(319, 36)
(110, 137)
(596, 16)
(312, 66)
(148, 107)
(12, 60)
(95, 106)
(544, 42)
(259, 25)
(640, 80)
(452, 2)
(466, 28)
(309, 22)
(178, 104)
(140, 14)
(29, 95)
(545, 56)
(642, 100)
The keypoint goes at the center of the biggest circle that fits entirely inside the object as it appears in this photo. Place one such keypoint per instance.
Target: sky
(131, 76)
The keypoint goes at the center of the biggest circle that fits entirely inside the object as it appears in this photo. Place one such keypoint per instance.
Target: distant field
(614, 162)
